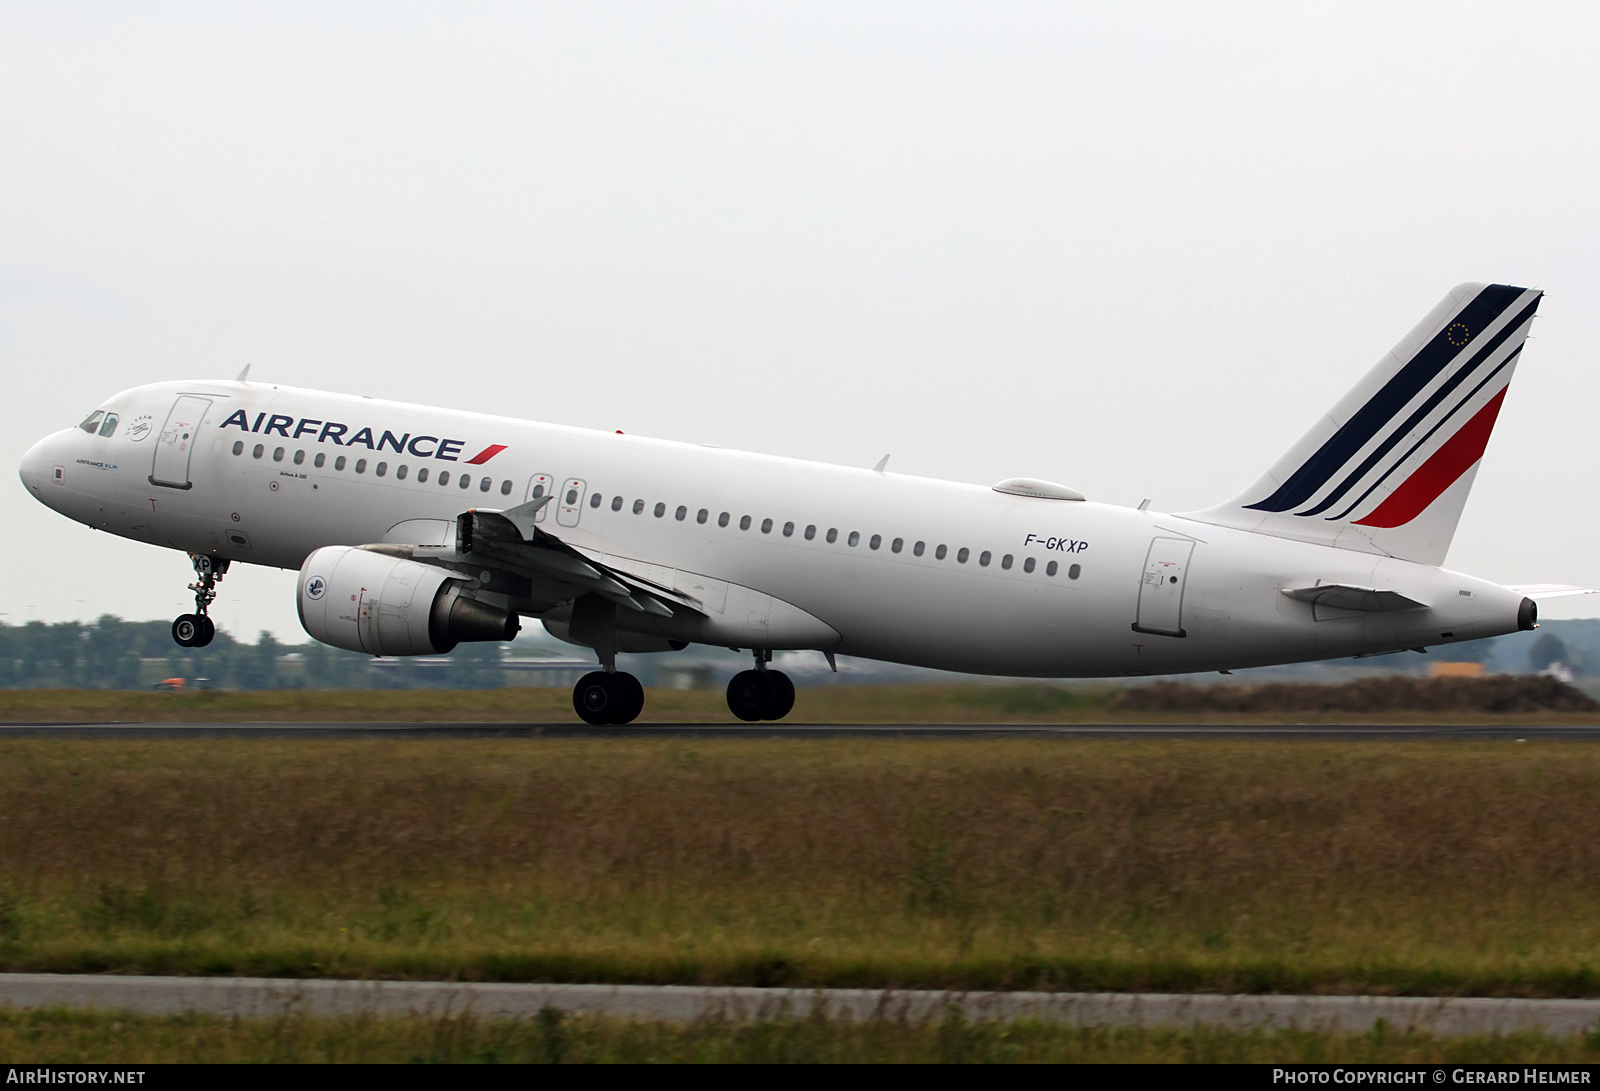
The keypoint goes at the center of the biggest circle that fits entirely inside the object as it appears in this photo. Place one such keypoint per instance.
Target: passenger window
(638, 507)
(877, 540)
(109, 426)
(505, 488)
(681, 514)
(299, 458)
(616, 503)
(833, 535)
(238, 447)
(444, 477)
(1027, 565)
(722, 520)
(338, 463)
(854, 539)
(788, 530)
(896, 545)
(594, 501)
(1050, 569)
(93, 421)
(381, 468)
(744, 522)
(811, 531)
(572, 496)
(361, 466)
(962, 554)
(260, 450)
(917, 549)
(320, 461)
(1005, 562)
(277, 454)
(702, 516)
(486, 484)
(766, 526)
(1074, 572)
(940, 553)
(400, 472)
(422, 474)
(660, 509)
(983, 559)
(466, 481)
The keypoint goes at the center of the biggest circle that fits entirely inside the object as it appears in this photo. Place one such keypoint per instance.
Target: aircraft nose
(34, 466)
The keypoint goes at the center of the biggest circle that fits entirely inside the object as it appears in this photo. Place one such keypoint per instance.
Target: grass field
(74, 1037)
(968, 703)
(1421, 868)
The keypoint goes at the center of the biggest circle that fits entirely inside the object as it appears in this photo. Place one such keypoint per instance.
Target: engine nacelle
(368, 602)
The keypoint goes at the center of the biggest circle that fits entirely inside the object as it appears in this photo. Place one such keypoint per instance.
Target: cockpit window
(93, 422)
(109, 425)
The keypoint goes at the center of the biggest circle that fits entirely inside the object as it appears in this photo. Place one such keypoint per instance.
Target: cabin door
(1166, 567)
(177, 442)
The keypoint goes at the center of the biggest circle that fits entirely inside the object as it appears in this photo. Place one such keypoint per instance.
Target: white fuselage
(1003, 584)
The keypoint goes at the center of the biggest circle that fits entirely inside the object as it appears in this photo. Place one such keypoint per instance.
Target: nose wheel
(608, 697)
(196, 630)
(760, 694)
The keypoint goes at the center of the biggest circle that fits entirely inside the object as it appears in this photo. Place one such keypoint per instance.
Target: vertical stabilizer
(1387, 470)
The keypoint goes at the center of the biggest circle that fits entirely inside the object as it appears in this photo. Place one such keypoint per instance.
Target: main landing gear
(196, 630)
(760, 694)
(608, 697)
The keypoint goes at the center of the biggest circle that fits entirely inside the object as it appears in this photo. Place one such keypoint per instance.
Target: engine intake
(380, 605)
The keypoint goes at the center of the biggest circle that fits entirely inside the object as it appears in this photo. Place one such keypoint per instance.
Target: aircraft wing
(508, 541)
(1346, 596)
(511, 539)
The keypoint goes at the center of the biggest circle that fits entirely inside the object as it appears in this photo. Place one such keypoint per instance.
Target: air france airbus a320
(416, 528)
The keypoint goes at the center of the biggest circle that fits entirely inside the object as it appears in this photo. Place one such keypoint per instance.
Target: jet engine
(368, 602)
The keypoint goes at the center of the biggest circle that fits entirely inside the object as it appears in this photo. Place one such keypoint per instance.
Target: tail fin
(1388, 469)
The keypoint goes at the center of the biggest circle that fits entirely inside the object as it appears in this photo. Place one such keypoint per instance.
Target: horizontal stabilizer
(1345, 596)
(1538, 591)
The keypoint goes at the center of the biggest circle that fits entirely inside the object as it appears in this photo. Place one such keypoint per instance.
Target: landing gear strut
(760, 694)
(605, 696)
(196, 630)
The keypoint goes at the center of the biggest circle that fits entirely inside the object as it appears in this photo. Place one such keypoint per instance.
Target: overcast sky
(1136, 248)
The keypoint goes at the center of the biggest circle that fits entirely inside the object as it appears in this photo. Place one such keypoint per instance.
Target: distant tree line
(115, 654)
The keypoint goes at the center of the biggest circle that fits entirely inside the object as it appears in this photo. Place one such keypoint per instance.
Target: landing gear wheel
(747, 695)
(630, 698)
(189, 631)
(780, 693)
(208, 629)
(600, 698)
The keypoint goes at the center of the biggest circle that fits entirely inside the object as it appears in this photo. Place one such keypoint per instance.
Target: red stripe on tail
(1441, 471)
(486, 454)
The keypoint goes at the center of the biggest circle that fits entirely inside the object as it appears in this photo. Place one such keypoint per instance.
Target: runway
(1236, 732)
(259, 998)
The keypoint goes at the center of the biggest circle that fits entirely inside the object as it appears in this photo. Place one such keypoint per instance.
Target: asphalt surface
(247, 997)
(1373, 732)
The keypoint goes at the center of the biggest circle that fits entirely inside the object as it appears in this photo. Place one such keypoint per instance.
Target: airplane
(415, 528)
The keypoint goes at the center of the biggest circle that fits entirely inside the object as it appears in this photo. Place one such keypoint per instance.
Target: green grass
(1418, 868)
(936, 704)
(63, 1037)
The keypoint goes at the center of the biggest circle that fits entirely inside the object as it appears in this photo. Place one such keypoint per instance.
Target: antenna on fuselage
(882, 462)
(243, 375)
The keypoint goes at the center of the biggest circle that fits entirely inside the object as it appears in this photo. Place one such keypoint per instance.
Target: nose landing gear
(196, 630)
(760, 694)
